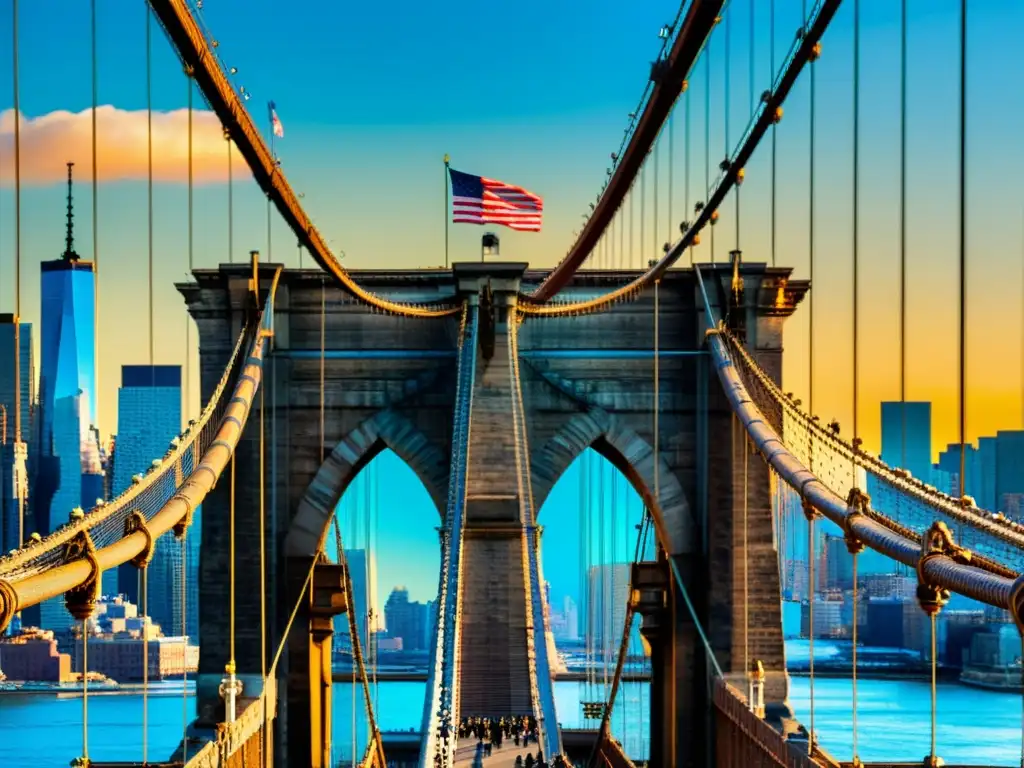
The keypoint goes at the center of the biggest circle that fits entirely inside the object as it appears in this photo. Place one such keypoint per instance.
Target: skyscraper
(67, 402)
(1009, 473)
(907, 437)
(13, 457)
(362, 569)
(148, 418)
(608, 591)
(407, 620)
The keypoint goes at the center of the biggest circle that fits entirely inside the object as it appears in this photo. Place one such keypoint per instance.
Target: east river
(975, 726)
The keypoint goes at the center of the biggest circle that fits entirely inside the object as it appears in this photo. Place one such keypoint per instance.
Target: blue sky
(372, 95)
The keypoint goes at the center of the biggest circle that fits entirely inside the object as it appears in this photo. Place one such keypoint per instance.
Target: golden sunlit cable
(95, 214)
(144, 573)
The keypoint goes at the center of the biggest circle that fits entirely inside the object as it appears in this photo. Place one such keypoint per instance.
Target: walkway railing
(71, 560)
(241, 744)
(742, 739)
(440, 710)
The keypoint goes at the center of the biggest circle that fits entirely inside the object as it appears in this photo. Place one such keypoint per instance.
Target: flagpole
(273, 159)
(446, 161)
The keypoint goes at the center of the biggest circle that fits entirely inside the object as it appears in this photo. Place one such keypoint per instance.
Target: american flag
(478, 200)
(275, 121)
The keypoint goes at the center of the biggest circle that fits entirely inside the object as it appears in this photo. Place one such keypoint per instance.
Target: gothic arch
(385, 429)
(630, 454)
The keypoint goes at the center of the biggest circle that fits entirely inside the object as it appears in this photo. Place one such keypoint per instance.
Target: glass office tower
(68, 453)
(148, 418)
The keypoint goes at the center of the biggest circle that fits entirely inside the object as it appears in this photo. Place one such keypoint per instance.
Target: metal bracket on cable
(81, 600)
(937, 541)
(136, 522)
(858, 504)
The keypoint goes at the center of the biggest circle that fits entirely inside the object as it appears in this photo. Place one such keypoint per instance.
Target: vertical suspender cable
(622, 235)
(686, 167)
(95, 224)
(671, 173)
(856, 328)
(17, 251)
(632, 211)
(903, 233)
(654, 206)
(771, 75)
(810, 620)
(643, 210)
(188, 409)
(149, 201)
(263, 574)
(856, 213)
(707, 138)
(231, 201)
(746, 554)
(231, 565)
(962, 350)
(323, 332)
(96, 340)
(810, 244)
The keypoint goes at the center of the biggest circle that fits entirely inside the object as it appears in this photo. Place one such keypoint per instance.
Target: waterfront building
(148, 418)
(120, 657)
(67, 399)
(33, 655)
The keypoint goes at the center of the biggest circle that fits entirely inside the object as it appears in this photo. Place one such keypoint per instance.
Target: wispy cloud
(50, 141)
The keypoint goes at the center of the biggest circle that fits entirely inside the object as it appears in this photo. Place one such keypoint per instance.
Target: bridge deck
(500, 758)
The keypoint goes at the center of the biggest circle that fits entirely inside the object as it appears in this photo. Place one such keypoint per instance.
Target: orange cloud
(50, 141)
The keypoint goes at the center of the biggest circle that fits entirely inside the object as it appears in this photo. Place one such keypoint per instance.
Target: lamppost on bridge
(488, 246)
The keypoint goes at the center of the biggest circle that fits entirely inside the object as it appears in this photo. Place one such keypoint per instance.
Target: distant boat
(29, 686)
(993, 678)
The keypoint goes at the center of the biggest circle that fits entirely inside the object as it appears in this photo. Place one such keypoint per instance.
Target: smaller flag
(276, 121)
(478, 200)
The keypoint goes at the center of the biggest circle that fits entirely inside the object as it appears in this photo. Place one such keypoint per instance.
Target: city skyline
(356, 130)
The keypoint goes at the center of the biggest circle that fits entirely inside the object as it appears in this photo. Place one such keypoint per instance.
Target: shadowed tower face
(542, 393)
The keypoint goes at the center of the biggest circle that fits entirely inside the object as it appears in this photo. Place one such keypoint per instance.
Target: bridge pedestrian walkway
(500, 758)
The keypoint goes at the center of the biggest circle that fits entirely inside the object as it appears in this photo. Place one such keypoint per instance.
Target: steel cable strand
(681, 49)
(47, 553)
(769, 112)
(195, 50)
(762, 383)
(966, 579)
(1008, 531)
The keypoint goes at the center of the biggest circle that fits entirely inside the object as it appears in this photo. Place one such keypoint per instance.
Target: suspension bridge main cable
(805, 49)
